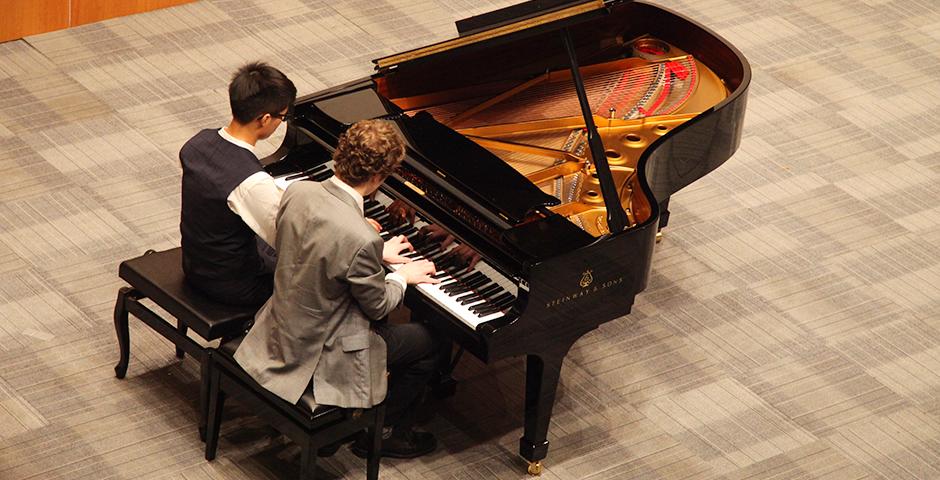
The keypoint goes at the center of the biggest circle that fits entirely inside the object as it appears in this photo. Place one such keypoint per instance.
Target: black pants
(248, 291)
(412, 358)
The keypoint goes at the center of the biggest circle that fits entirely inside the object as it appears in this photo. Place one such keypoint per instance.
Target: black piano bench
(309, 429)
(159, 277)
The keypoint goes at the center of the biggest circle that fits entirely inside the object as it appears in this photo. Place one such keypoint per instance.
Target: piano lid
(456, 159)
(510, 23)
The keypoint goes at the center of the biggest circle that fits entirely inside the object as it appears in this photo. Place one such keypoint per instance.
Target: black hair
(258, 88)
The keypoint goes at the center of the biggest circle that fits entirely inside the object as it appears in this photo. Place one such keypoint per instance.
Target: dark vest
(217, 244)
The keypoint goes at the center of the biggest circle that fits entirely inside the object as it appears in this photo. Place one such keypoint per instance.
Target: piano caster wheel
(535, 468)
(659, 237)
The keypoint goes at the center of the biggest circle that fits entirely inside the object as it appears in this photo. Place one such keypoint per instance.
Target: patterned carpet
(791, 328)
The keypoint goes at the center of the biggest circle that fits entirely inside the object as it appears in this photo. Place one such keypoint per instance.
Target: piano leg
(541, 382)
(663, 214)
(443, 384)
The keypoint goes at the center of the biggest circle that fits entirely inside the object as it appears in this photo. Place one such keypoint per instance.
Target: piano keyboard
(473, 296)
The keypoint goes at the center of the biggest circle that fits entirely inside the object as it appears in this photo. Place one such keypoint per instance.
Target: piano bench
(309, 429)
(159, 277)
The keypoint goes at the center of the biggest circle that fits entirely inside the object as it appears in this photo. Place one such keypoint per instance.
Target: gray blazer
(329, 285)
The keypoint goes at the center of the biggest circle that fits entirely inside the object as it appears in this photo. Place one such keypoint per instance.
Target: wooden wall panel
(20, 18)
(88, 11)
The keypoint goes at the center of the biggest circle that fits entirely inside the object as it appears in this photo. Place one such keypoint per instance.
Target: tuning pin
(613, 113)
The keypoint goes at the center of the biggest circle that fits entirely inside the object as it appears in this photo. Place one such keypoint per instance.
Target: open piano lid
(510, 23)
(499, 31)
(454, 156)
(510, 45)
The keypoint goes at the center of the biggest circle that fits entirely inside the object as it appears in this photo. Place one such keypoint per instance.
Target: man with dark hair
(229, 202)
(322, 338)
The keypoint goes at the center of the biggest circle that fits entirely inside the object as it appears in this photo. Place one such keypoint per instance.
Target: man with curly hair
(322, 338)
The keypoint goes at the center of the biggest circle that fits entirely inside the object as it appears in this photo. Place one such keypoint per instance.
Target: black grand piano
(544, 143)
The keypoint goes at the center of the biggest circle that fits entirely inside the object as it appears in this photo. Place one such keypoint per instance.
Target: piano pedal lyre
(535, 468)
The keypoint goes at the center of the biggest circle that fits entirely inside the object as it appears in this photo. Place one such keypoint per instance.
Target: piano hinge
(414, 187)
(523, 285)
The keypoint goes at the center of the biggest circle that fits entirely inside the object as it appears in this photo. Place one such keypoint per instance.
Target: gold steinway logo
(588, 287)
(586, 278)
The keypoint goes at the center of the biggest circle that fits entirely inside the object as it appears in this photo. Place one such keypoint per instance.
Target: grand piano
(543, 145)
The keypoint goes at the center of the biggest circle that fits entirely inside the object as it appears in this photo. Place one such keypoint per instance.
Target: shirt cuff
(397, 279)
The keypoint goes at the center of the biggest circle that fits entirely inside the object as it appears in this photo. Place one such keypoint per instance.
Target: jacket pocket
(354, 343)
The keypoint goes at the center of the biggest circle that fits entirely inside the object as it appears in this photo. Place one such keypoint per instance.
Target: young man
(322, 338)
(229, 202)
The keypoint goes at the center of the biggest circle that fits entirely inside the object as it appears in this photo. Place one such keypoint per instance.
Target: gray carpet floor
(791, 328)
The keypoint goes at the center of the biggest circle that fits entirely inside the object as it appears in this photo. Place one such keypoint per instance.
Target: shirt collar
(241, 143)
(350, 190)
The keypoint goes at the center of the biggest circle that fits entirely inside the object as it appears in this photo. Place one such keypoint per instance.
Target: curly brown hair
(367, 148)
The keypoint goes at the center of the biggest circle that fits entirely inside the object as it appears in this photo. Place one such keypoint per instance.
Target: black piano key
(406, 230)
(428, 252)
(471, 299)
(489, 310)
(478, 283)
(399, 230)
(409, 231)
(437, 257)
(465, 296)
(463, 274)
(455, 288)
(415, 241)
(321, 176)
(448, 263)
(489, 291)
(504, 300)
(490, 305)
(495, 295)
(469, 276)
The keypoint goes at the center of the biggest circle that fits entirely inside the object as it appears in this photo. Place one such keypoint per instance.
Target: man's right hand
(419, 271)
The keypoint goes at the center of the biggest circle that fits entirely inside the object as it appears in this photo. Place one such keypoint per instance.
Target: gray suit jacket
(329, 285)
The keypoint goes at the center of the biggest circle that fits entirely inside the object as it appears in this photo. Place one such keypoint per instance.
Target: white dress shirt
(257, 199)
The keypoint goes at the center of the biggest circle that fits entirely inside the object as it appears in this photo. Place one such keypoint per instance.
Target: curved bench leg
(123, 335)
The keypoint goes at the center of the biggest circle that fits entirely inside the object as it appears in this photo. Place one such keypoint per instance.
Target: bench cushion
(159, 276)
